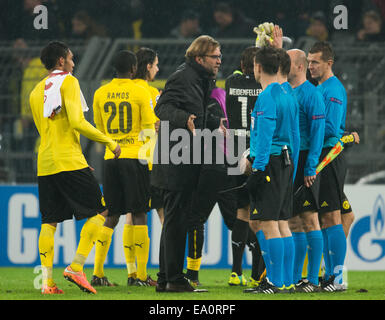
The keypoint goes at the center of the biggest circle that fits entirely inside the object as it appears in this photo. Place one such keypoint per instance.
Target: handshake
(265, 34)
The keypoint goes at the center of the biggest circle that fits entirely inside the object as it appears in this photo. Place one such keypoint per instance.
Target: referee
(305, 209)
(321, 60)
(274, 147)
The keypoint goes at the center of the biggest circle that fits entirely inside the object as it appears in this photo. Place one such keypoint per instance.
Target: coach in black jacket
(182, 105)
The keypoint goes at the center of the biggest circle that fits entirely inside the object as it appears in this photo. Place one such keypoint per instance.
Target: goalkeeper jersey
(60, 148)
(122, 109)
(241, 94)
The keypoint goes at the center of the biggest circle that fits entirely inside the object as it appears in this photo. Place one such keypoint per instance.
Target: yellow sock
(194, 264)
(46, 251)
(129, 248)
(304, 269)
(88, 236)
(142, 249)
(320, 267)
(102, 246)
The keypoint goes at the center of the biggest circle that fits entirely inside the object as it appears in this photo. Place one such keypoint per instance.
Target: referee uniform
(274, 129)
(312, 130)
(331, 195)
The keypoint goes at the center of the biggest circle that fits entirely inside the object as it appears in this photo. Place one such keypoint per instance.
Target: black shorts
(126, 186)
(345, 207)
(332, 183)
(274, 200)
(306, 199)
(69, 193)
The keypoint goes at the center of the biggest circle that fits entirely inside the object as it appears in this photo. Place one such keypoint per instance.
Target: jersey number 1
(243, 101)
(125, 125)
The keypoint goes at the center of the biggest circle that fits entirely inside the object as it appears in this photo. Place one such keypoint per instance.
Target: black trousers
(203, 204)
(177, 208)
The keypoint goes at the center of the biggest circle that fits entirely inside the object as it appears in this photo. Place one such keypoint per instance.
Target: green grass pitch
(18, 284)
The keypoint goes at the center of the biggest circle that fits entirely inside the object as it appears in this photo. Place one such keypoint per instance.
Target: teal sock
(337, 250)
(326, 257)
(276, 252)
(314, 253)
(288, 260)
(300, 248)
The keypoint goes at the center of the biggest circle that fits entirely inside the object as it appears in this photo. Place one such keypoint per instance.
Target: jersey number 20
(125, 125)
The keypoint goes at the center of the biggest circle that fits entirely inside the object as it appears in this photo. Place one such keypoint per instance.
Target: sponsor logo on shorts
(324, 204)
(306, 204)
(346, 205)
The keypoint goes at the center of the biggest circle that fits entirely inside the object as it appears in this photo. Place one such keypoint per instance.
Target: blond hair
(201, 46)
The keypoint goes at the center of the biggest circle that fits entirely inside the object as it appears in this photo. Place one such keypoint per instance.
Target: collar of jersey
(121, 80)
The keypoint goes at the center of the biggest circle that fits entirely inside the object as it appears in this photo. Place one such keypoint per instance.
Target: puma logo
(252, 245)
(238, 244)
(139, 244)
(44, 254)
(129, 247)
(102, 242)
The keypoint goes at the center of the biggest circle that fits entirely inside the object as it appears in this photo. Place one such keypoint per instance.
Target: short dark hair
(325, 48)
(247, 59)
(51, 53)
(284, 62)
(269, 59)
(144, 57)
(124, 62)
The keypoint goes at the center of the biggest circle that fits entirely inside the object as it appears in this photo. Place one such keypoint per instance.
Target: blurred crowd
(188, 18)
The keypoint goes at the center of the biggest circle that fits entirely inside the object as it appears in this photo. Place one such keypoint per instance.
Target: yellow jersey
(60, 148)
(122, 109)
(154, 93)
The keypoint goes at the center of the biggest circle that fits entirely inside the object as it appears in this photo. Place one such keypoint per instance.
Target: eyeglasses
(214, 56)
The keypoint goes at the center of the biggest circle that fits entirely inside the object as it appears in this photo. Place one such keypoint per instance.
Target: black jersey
(241, 94)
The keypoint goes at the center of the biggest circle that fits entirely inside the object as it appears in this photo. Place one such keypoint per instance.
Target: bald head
(298, 57)
(298, 66)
